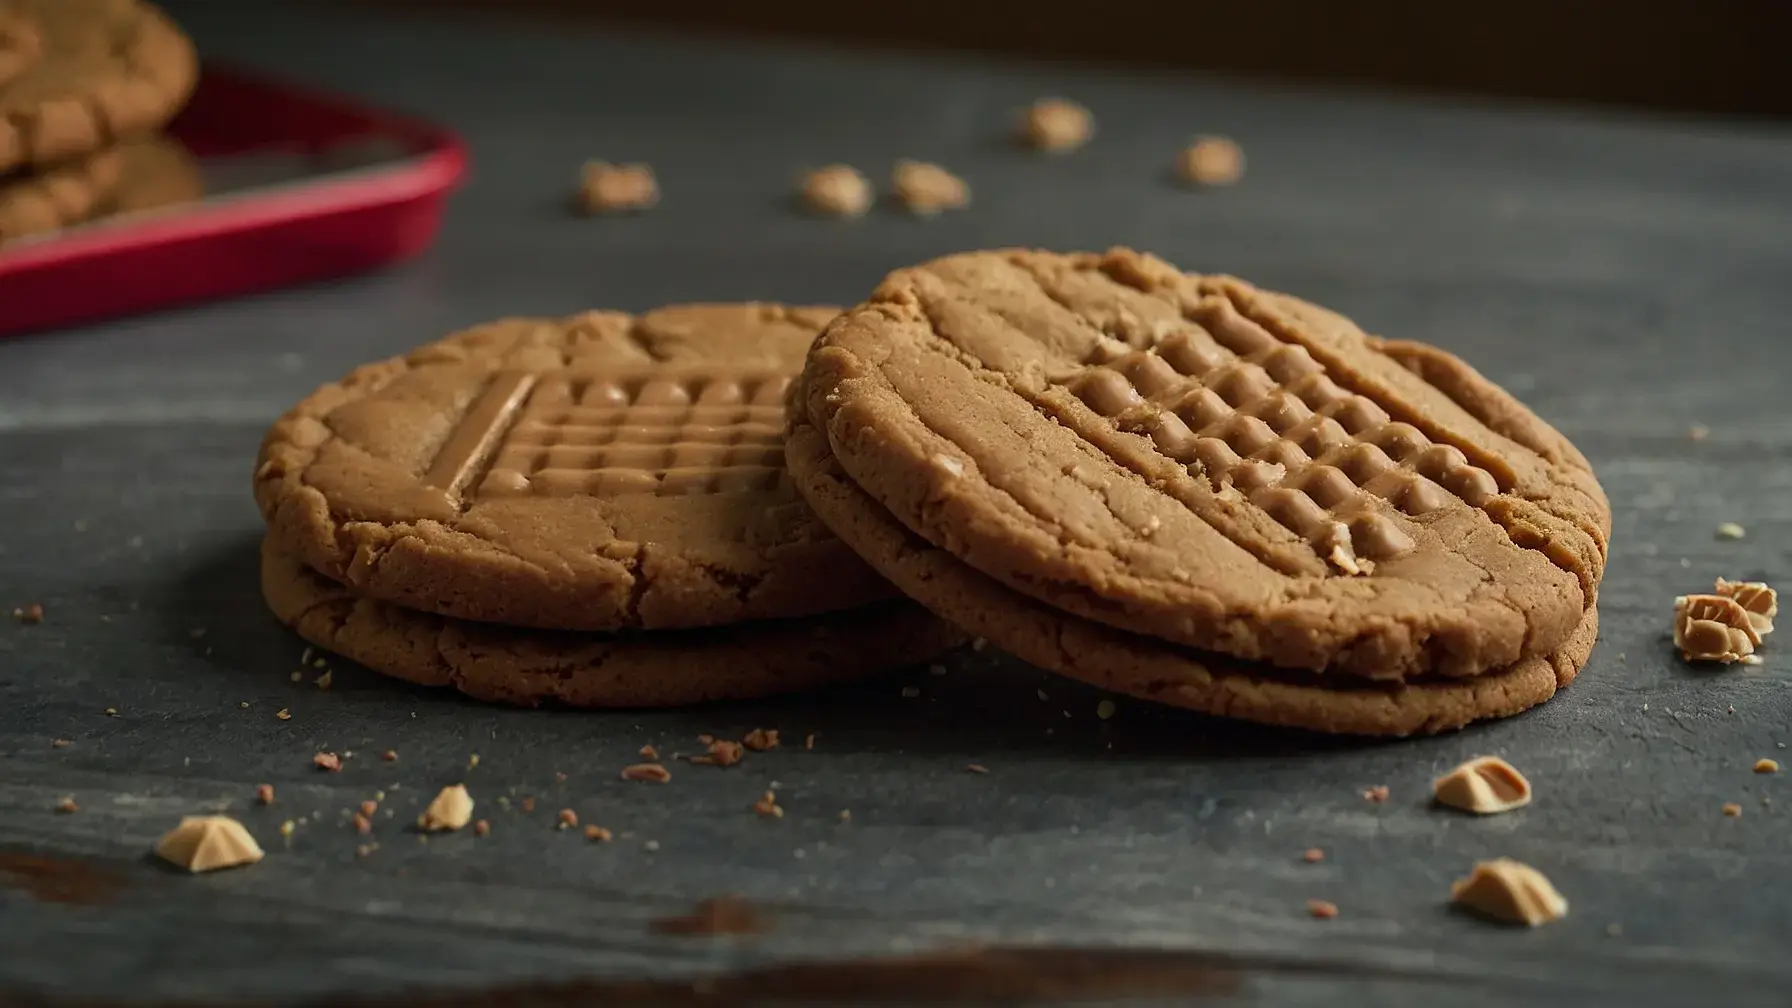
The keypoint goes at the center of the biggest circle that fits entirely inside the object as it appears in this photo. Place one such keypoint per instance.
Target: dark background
(1725, 56)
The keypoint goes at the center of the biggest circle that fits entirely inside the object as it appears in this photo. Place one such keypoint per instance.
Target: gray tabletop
(1628, 278)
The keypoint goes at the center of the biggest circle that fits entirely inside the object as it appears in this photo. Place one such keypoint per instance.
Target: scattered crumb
(482, 828)
(244, 705)
(1732, 810)
(390, 755)
(1210, 161)
(111, 712)
(327, 761)
(208, 843)
(283, 714)
(1105, 709)
(472, 761)
(706, 739)
(646, 772)
(649, 753)
(58, 743)
(451, 808)
(725, 915)
(651, 846)
(369, 807)
(287, 827)
(911, 692)
(1767, 766)
(1485, 785)
(67, 805)
(559, 778)
(836, 190)
(608, 188)
(1714, 627)
(1731, 530)
(528, 804)
(1509, 891)
(768, 806)
(846, 815)
(30, 615)
(761, 739)
(296, 676)
(1313, 855)
(264, 794)
(323, 681)
(568, 819)
(1055, 125)
(926, 189)
(1378, 793)
(809, 741)
(1322, 909)
(366, 849)
(976, 768)
(597, 834)
(722, 753)
(363, 825)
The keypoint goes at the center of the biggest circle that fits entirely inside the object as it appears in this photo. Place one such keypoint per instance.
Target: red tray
(299, 187)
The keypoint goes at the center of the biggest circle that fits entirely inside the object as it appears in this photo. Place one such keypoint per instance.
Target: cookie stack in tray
(1189, 490)
(591, 511)
(84, 86)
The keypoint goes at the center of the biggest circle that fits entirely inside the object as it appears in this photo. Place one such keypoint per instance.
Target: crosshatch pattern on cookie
(1251, 413)
(653, 431)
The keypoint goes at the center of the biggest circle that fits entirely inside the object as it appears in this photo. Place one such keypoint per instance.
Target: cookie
(100, 72)
(21, 43)
(1153, 669)
(1192, 459)
(651, 669)
(158, 172)
(598, 472)
(57, 197)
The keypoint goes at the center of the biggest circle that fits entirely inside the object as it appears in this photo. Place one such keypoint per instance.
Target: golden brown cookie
(1192, 459)
(57, 197)
(21, 43)
(103, 71)
(1153, 669)
(652, 669)
(158, 172)
(597, 472)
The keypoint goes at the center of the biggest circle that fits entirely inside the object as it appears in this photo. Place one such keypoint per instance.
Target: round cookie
(597, 472)
(533, 667)
(99, 71)
(58, 197)
(158, 172)
(21, 43)
(1192, 459)
(1152, 669)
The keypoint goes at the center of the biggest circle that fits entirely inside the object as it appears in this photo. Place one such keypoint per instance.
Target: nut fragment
(1313, 855)
(608, 188)
(32, 614)
(1767, 766)
(1756, 598)
(597, 834)
(1210, 161)
(1056, 125)
(1509, 891)
(768, 806)
(646, 772)
(926, 189)
(761, 739)
(568, 819)
(648, 752)
(1484, 785)
(1322, 909)
(837, 190)
(68, 806)
(264, 794)
(1713, 628)
(722, 753)
(207, 843)
(482, 828)
(1732, 809)
(451, 809)
(327, 761)
(1378, 793)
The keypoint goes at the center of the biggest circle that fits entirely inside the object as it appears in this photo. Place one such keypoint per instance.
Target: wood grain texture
(1625, 278)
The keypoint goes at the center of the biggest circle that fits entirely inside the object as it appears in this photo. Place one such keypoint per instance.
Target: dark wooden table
(1629, 278)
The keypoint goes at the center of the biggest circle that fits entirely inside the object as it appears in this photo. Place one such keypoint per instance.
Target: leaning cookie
(1156, 670)
(50, 200)
(635, 669)
(87, 74)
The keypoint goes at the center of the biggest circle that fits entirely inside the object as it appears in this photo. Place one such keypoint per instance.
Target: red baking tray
(297, 186)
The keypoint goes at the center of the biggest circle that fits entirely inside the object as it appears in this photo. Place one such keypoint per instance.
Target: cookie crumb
(722, 753)
(977, 768)
(366, 849)
(363, 825)
(1210, 161)
(767, 805)
(450, 809)
(1767, 766)
(67, 806)
(597, 834)
(1105, 709)
(568, 819)
(323, 681)
(608, 188)
(809, 742)
(1485, 785)
(846, 815)
(30, 615)
(287, 827)
(473, 761)
(1055, 125)
(390, 755)
(1313, 855)
(111, 712)
(369, 807)
(1378, 793)
(327, 761)
(649, 753)
(1713, 628)
(1322, 909)
(208, 843)
(264, 794)
(646, 772)
(911, 692)
(58, 743)
(927, 189)
(1731, 530)
(836, 190)
(760, 739)
(528, 803)
(482, 828)
(1509, 891)
(650, 846)
(283, 714)
(1733, 810)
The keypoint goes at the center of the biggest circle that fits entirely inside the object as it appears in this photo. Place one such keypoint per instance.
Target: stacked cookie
(84, 86)
(1192, 491)
(591, 511)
